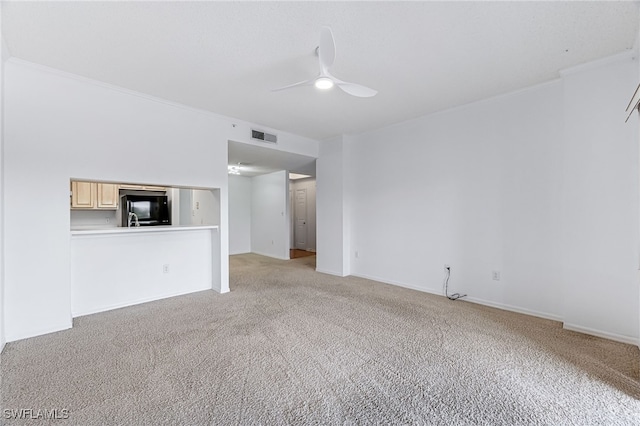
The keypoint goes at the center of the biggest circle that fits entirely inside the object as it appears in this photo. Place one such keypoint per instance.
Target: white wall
(58, 127)
(140, 275)
(185, 212)
(3, 56)
(240, 131)
(540, 185)
(94, 219)
(269, 218)
(600, 205)
(475, 188)
(205, 207)
(239, 214)
(506, 185)
(309, 184)
(332, 207)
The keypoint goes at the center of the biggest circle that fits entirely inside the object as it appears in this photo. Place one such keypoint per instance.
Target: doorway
(302, 197)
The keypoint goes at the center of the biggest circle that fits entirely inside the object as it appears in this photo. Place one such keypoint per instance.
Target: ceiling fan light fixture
(323, 83)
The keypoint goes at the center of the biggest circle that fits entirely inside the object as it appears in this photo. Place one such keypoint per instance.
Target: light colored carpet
(292, 346)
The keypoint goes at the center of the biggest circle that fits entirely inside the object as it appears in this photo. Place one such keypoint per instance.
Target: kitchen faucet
(135, 219)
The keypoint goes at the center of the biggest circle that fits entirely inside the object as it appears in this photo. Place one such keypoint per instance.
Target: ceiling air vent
(262, 136)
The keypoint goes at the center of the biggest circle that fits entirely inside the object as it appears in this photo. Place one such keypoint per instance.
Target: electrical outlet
(495, 275)
(165, 268)
(107, 220)
(357, 254)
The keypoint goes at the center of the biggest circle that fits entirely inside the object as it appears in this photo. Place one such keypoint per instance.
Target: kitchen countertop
(140, 229)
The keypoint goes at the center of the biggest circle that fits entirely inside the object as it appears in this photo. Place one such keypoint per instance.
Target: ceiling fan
(326, 52)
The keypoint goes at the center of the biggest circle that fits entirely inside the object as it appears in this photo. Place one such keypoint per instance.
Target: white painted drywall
(205, 207)
(476, 188)
(185, 197)
(239, 214)
(4, 55)
(332, 214)
(60, 127)
(636, 121)
(173, 194)
(310, 185)
(94, 219)
(511, 185)
(269, 217)
(600, 206)
(240, 131)
(110, 271)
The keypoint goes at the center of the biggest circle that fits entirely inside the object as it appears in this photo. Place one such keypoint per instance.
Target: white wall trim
(628, 55)
(269, 255)
(40, 331)
(599, 333)
(399, 284)
(137, 302)
(511, 308)
(506, 307)
(502, 306)
(334, 273)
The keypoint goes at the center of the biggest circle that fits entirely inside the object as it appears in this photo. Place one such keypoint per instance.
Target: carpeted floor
(292, 346)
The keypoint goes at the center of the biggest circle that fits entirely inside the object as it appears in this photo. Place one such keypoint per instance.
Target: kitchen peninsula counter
(116, 267)
(138, 229)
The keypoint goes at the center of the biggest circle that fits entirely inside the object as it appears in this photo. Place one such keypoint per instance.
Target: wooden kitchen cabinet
(107, 196)
(92, 195)
(83, 195)
(143, 187)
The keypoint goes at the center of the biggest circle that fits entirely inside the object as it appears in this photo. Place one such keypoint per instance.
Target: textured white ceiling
(226, 56)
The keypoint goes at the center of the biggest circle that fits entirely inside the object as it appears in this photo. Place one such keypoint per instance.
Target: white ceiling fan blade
(356, 89)
(300, 83)
(327, 48)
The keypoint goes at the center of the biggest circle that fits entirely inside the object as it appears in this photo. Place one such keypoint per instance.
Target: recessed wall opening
(99, 204)
(134, 243)
(271, 202)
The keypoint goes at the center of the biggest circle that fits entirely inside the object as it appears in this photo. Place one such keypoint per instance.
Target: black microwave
(145, 210)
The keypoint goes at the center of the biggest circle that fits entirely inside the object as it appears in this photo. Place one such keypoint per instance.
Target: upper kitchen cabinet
(92, 195)
(142, 187)
(83, 195)
(107, 196)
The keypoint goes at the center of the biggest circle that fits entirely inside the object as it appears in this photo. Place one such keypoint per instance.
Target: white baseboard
(135, 302)
(399, 284)
(516, 309)
(271, 255)
(334, 273)
(511, 308)
(39, 332)
(599, 333)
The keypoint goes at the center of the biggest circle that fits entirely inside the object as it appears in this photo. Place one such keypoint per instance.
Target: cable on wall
(447, 275)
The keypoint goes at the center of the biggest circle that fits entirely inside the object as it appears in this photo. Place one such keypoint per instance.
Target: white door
(292, 222)
(301, 219)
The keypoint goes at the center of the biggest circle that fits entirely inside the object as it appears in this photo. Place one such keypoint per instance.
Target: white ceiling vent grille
(263, 136)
